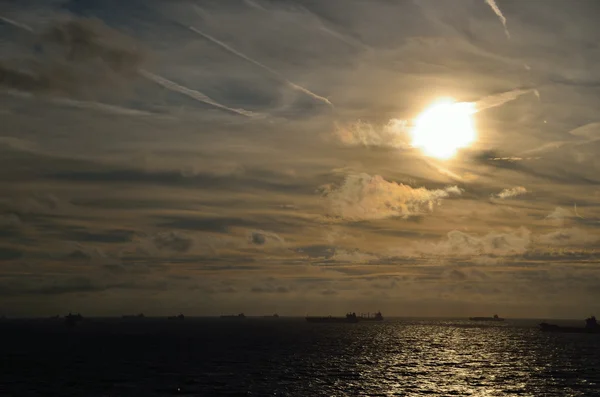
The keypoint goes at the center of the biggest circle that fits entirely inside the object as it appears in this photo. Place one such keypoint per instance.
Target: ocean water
(289, 357)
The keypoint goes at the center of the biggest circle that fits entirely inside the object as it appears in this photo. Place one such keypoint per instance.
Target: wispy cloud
(262, 237)
(360, 133)
(493, 101)
(496, 9)
(511, 192)
(494, 243)
(558, 216)
(260, 65)
(571, 236)
(363, 197)
(197, 95)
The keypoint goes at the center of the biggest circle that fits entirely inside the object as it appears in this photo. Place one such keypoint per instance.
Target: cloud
(8, 254)
(496, 9)
(360, 133)
(511, 192)
(364, 197)
(173, 241)
(494, 243)
(558, 216)
(353, 256)
(590, 131)
(34, 203)
(270, 289)
(496, 100)
(261, 237)
(76, 56)
(572, 236)
(9, 221)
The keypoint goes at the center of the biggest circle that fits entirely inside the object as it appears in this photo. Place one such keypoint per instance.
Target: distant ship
(495, 318)
(133, 316)
(377, 317)
(181, 317)
(591, 327)
(72, 320)
(240, 316)
(350, 318)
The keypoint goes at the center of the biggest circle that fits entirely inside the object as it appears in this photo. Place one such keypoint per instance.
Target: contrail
(500, 99)
(16, 24)
(98, 106)
(197, 95)
(494, 6)
(260, 65)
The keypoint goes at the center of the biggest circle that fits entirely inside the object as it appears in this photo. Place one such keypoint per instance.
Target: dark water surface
(289, 357)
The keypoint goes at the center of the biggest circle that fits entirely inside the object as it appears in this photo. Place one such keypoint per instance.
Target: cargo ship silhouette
(349, 318)
(495, 318)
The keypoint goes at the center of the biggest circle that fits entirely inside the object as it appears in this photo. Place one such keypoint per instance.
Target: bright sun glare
(444, 127)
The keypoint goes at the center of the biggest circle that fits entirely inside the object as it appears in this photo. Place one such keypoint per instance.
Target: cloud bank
(366, 197)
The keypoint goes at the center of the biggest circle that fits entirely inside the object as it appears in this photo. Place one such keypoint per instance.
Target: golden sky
(415, 157)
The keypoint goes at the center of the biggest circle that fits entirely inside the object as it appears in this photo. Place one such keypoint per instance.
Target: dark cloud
(173, 241)
(207, 224)
(270, 290)
(317, 251)
(76, 56)
(269, 181)
(73, 285)
(8, 254)
(109, 236)
(261, 237)
(79, 255)
(329, 292)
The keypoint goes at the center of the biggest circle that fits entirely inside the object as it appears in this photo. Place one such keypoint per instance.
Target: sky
(217, 157)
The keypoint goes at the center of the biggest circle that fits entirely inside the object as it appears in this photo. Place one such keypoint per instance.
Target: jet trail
(197, 95)
(16, 24)
(500, 99)
(496, 9)
(260, 65)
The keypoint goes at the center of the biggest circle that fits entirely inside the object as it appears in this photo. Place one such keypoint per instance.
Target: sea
(290, 357)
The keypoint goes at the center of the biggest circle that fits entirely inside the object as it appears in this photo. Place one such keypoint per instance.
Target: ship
(133, 316)
(591, 327)
(350, 318)
(495, 318)
(240, 316)
(180, 317)
(72, 320)
(376, 317)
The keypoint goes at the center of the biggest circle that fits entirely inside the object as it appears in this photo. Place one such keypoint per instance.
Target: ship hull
(331, 320)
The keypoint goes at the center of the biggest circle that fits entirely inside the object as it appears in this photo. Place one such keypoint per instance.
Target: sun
(444, 127)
